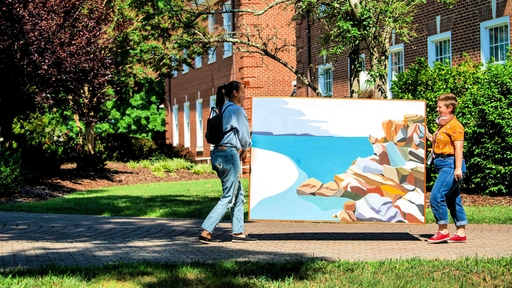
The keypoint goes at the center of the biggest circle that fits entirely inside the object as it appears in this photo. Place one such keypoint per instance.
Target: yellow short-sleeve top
(446, 135)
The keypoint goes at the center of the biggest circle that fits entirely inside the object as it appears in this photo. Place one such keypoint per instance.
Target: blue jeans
(227, 165)
(445, 194)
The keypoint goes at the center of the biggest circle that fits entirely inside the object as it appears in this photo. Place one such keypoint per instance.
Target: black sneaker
(208, 240)
(243, 239)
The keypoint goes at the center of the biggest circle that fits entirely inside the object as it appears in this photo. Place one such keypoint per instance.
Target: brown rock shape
(329, 189)
(309, 187)
(350, 206)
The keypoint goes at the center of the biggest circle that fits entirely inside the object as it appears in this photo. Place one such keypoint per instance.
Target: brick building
(480, 28)
(191, 92)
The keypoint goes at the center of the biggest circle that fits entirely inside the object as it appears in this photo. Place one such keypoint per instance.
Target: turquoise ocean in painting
(319, 157)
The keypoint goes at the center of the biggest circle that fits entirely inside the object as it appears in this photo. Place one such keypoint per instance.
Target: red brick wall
(261, 75)
(463, 20)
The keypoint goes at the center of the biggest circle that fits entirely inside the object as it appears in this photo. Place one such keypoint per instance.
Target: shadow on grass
(151, 275)
(159, 206)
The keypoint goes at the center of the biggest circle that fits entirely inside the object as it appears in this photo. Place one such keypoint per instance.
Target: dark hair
(226, 90)
(449, 99)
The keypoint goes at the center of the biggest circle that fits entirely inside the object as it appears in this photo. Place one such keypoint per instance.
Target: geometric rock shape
(408, 186)
(349, 206)
(366, 165)
(373, 158)
(351, 215)
(380, 151)
(417, 155)
(395, 157)
(309, 187)
(418, 172)
(416, 197)
(392, 193)
(375, 208)
(378, 180)
(401, 136)
(343, 216)
(387, 128)
(397, 174)
(408, 207)
(411, 119)
(329, 189)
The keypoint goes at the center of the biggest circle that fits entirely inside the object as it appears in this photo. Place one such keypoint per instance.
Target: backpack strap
(225, 108)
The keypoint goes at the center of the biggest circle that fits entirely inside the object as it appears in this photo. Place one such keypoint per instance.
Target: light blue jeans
(227, 165)
(445, 194)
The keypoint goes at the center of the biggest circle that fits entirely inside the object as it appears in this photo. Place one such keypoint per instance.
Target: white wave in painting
(277, 177)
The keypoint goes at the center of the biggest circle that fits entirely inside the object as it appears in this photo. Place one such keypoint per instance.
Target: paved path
(31, 240)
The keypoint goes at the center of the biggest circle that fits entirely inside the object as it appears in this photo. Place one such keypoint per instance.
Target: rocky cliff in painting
(387, 186)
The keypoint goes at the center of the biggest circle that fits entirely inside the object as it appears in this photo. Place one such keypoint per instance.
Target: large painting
(350, 160)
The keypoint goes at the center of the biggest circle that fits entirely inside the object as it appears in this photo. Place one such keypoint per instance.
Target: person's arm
(459, 147)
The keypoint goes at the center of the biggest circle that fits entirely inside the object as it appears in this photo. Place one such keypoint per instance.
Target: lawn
(185, 199)
(465, 272)
(194, 199)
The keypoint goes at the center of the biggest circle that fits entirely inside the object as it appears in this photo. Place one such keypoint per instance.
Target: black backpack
(214, 128)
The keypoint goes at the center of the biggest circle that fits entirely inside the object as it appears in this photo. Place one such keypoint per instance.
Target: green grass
(187, 199)
(465, 272)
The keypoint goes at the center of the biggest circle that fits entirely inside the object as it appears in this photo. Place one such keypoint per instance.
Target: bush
(485, 110)
(11, 172)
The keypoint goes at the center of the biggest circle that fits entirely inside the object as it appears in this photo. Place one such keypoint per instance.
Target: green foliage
(11, 172)
(136, 109)
(46, 140)
(485, 110)
(202, 168)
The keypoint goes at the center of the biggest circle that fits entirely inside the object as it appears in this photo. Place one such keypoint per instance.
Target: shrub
(11, 172)
(485, 110)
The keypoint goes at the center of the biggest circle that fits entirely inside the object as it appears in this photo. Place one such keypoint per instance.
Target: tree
(58, 54)
(354, 26)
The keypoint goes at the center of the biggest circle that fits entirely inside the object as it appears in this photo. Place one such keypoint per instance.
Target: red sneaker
(439, 237)
(457, 239)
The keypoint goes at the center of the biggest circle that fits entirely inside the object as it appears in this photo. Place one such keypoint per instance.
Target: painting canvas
(349, 160)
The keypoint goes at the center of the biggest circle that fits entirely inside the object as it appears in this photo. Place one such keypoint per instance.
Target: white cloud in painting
(329, 117)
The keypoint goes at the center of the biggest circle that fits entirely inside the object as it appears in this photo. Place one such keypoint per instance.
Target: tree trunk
(89, 137)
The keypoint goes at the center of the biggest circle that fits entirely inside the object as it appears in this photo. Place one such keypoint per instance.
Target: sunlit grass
(465, 272)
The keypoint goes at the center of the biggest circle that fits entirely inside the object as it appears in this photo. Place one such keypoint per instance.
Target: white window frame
(391, 73)
(485, 51)
(186, 124)
(185, 66)
(174, 72)
(175, 126)
(228, 28)
(322, 80)
(213, 99)
(198, 62)
(212, 53)
(431, 42)
(199, 125)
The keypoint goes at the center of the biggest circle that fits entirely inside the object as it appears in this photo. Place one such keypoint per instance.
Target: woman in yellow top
(448, 144)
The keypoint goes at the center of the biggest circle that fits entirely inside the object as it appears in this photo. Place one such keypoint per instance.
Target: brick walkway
(31, 240)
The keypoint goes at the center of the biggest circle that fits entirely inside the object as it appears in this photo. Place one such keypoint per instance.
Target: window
(213, 98)
(186, 127)
(440, 48)
(199, 125)
(212, 57)
(495, 39)
(174, 72)
(185, 66)
(325, 79)
(228, 27)
(198, 62)
(395, 64)
(176, 126)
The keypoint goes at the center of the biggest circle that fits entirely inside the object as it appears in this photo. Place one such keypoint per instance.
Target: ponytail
(224, 91)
